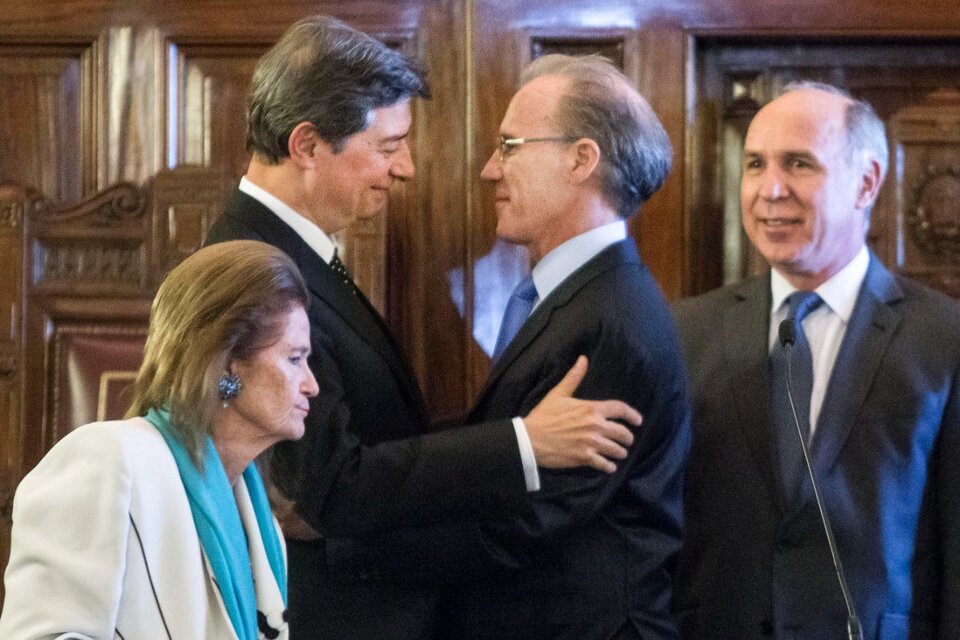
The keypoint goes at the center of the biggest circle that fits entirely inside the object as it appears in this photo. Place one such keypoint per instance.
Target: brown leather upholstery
(94, 366)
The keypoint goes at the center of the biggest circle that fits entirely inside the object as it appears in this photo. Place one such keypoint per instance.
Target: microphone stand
(854, 630)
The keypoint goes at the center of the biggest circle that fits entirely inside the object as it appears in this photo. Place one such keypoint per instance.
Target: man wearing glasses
(329, 118)
(592, 555)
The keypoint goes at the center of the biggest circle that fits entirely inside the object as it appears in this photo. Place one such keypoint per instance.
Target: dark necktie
(341, 270)
(800, 303)
(518, 310)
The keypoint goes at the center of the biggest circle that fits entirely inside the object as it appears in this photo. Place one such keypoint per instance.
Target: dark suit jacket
(365, 462)
(593, 554)
(886, 452)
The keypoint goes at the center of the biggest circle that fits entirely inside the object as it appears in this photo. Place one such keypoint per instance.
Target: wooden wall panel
(130, 105)
(209, 85)
(923, 225)
(41, 112)
(99, 92)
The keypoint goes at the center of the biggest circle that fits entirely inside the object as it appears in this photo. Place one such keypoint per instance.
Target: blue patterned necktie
(518, 310)
(800, 303)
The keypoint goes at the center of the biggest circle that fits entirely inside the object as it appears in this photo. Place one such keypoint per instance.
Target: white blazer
(104, 544)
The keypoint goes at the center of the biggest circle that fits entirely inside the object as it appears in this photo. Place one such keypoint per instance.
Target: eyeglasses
(506, 145)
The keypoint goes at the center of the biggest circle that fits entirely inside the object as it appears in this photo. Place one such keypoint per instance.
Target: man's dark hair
(330, 75)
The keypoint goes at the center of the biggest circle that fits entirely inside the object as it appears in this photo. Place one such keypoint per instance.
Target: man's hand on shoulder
(567, 432)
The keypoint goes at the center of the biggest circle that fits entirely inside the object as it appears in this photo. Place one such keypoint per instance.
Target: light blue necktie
(801, 303)
(518, 310)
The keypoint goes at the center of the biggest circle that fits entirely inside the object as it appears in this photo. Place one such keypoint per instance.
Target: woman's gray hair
(602, 105)
(328, 74)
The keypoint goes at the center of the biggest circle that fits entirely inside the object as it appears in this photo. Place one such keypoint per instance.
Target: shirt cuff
(527, 459)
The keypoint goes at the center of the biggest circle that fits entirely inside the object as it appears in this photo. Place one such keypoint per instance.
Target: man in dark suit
(329, 117)
(875, 368)
(592, 555)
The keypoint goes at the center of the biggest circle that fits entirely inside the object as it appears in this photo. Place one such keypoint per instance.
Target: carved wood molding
(933, 216)
(927, 136)
(186, 202)
(11, 214)
(19, 202)
(109, 208)
(123, 240)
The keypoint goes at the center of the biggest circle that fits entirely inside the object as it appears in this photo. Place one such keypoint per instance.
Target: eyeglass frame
(504, 144)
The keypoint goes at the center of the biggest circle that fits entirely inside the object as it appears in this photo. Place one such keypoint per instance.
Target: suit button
(766, 628)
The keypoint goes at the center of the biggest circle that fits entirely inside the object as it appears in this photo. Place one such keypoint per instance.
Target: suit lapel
(619, 253)
(871, 326)
(357, 313)
(746, 327)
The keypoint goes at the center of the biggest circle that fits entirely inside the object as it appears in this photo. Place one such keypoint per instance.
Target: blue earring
(229, 387)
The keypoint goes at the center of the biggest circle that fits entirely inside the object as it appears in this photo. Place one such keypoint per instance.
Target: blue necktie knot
(526, 289)
(801, 304)
(518, 309)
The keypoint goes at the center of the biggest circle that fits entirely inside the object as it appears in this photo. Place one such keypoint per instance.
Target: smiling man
(875, 368)
(329, 121)
(593, 555)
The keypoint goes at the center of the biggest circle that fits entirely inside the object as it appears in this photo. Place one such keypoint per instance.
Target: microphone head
(788, 333)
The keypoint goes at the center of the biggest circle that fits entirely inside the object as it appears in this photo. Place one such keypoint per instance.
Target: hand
(566, 432)
(293, 526)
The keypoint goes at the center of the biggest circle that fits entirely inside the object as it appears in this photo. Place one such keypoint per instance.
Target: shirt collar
(314, 236)
(839, 292)
(556, 266)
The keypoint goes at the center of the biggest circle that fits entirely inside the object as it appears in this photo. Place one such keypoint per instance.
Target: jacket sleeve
(644, 495)
(69, 541)
(344, 488)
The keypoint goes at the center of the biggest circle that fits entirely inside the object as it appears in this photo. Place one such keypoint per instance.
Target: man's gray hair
(601, 104)
(865, 130)
(331, 75)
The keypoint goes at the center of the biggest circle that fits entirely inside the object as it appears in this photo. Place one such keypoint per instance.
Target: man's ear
(870, 180)
(585, 156)
(302, 144)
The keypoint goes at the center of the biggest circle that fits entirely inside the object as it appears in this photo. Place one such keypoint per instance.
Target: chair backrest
(75, 295)
(90, 274)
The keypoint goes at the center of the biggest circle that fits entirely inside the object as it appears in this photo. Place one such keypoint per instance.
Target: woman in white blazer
(158, 526)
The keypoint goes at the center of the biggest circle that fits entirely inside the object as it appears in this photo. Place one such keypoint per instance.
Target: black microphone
(788, 337)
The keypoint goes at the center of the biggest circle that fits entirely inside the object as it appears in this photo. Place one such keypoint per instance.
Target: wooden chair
(75, 302)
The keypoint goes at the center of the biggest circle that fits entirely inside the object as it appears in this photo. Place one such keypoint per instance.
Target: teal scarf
(218, 525)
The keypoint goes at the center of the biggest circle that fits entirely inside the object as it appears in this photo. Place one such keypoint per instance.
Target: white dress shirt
(825, 326)
(559, 264)
(324, 246)
(556, 266)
